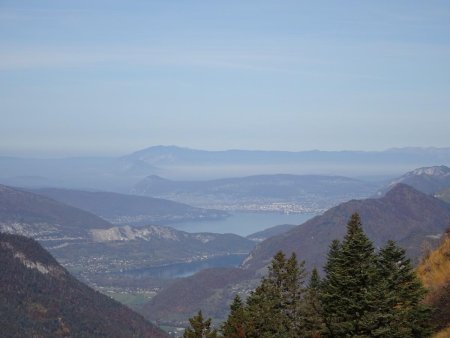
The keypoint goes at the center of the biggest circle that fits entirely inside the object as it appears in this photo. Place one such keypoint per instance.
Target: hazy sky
(111, 77)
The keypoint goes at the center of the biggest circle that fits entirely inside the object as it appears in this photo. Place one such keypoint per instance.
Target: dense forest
(364, 293)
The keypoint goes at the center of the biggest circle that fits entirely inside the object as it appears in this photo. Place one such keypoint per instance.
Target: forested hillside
(404, 214)
(39, 298)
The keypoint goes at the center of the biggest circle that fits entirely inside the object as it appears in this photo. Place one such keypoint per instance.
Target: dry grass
(443, 334)
(434, 270)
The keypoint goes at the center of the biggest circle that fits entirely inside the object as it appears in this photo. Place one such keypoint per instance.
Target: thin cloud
(14, 58)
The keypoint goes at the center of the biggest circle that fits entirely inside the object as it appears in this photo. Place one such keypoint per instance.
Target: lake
(179, 270)
(240, 223)
(243, 223)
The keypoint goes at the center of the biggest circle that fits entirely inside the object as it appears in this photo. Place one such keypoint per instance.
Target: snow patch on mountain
(431, 171)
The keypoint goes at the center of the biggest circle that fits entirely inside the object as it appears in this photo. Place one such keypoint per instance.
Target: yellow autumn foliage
(443, 334)
(434, 270)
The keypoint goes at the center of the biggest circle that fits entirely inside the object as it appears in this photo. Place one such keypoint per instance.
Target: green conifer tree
(402, 313)
(264, 305)
(274, 307)
(348, 290)
(292, 295)
(313, 323)
(200, 328)
(236, 324)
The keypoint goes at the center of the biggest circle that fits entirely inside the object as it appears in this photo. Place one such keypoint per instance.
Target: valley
(224, 169)
(105, 240)
(414, 219)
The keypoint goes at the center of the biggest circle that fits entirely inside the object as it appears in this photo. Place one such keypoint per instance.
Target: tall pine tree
(274, 307)
(348, 290)
(400, 295)
(371, 295)
(200, 328)
(236, 324)
(312, 308)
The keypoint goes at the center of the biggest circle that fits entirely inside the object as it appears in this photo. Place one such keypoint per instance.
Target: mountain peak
(428, 180)
(404, 214)
(402, 189)
(441, 170)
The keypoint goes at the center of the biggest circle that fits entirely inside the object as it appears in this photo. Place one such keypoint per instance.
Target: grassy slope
(434, 271)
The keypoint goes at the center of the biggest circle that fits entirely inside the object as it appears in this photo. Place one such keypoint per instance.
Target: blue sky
(111, 77)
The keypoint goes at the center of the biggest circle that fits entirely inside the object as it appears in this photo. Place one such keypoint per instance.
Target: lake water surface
(240, 223)
(187, 269)
(243, 223)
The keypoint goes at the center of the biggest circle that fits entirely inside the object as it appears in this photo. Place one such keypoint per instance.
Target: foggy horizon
(112, 154)
(112, 77)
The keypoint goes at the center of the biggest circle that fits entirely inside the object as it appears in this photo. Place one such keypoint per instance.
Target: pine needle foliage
(401, 293)
(274, 307)
(236, 324)
(369, 294)
(200, 328)
(348, 290)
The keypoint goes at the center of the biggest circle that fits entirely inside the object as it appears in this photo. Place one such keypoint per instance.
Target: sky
(112, 77)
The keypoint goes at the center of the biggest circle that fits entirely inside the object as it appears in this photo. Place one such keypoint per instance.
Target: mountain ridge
(18, 207)
(404, 214)
(429, 180)
(124, 209)
(97, 249)
(40, 298)
(402, 206)
(120, 173)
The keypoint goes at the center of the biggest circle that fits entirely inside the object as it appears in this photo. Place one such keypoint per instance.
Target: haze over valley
(128, 246)
(224, 169)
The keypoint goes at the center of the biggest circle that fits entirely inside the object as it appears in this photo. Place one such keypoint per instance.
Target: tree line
(364, 293)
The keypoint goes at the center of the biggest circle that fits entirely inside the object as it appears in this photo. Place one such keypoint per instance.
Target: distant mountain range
(415, 220)
(124, 209)
(160, 156)
(39, 298)
(429, 180)
(119, 174)
(34, 215)
(286, 193)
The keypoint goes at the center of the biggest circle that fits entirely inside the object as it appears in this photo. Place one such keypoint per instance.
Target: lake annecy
(243, 223)
(240, 223)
